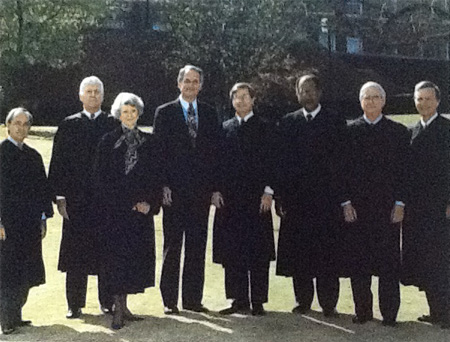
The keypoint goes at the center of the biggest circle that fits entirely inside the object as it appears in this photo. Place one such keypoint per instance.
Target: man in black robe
(70, 175)
(243, 231)
(188, 132)
(310, 140)
(426, 231)
(25, 204)
(373, 205)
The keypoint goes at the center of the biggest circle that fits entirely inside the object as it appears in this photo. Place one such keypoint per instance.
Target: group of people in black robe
(359, 199)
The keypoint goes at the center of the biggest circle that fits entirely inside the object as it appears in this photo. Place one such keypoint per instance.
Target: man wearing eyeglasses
(373, 205)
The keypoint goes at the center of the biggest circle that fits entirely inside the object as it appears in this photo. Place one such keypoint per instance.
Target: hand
(167, 196)
(397, 214)
(279, 208)
(349, 213)
(217, 200)
(266, 203)
(2, 233)
(447, 211)
(142, 207)
(61, 204)
(43, 228)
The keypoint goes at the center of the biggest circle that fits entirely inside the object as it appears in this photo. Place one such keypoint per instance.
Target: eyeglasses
(371, 97)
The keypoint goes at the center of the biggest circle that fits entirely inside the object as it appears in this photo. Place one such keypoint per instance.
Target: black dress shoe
(361, 319)
(8, 331)
(258, 310)
(300, 310)
(389, 323)
(171, 310)
(23, 323)
(330, 313)
(236, 308)
(73, 313)
(196, 308)
(428, 319)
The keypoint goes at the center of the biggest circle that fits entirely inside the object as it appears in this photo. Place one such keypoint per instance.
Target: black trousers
(192, 224)
(388, 296)
(438, 297)
(245, 286)
(327, 288)
(76, 287)
(11, 302)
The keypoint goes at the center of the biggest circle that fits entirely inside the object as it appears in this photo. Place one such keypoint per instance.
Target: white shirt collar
(374, 122)
(245, 118)
(313, 113)
(430, 120)
(185, 104)
(15, 142)
(97, 113)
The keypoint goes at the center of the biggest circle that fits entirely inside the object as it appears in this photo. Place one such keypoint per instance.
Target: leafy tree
(48, 31)
(236, 40)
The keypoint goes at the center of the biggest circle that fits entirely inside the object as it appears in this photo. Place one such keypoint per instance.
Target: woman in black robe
(127, 177)
(25, 203)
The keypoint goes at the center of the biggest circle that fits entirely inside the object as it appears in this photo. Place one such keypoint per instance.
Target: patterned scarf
(133, 139)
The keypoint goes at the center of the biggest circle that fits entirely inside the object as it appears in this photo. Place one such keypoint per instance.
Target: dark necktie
(309, 117)
(92, 116)
(192, 123)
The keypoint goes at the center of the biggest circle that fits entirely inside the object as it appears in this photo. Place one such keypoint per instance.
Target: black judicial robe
(307, 169)
(426, 231)
(127, 236)
(242, 235)
(24, 196)
(70, 175)
(375, 179)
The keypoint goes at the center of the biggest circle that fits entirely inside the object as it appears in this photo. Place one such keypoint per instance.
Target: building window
(354, 7)
(354, 45)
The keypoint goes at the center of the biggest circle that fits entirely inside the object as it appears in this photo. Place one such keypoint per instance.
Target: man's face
(190, 85)
(426, 102)
(19, 127)
(372, 102)
(92, 98)
(308, 95)
(242, 102)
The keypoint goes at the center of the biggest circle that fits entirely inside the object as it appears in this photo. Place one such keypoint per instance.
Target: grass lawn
(46, 307)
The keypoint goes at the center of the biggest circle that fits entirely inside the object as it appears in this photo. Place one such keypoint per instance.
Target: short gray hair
(371, 84)
(17, 111)
(187, 68)
(127, 99)
(91, 80)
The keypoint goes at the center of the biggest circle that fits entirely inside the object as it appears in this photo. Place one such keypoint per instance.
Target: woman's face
(129, 115)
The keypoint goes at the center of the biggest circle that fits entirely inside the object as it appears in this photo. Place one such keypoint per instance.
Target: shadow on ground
(275, 326)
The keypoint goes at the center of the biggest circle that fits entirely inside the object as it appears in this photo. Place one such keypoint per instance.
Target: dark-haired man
(426, 231)
(243, 230)
(310, 143)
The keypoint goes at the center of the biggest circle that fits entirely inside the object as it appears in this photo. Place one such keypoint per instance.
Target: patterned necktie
(192, 123)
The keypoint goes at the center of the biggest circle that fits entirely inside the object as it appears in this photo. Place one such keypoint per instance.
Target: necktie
(20, 146)
(192, 123)
(92, 116)
(309, 117)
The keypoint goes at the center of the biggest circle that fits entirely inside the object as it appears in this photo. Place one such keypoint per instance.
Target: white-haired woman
(127, 174)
